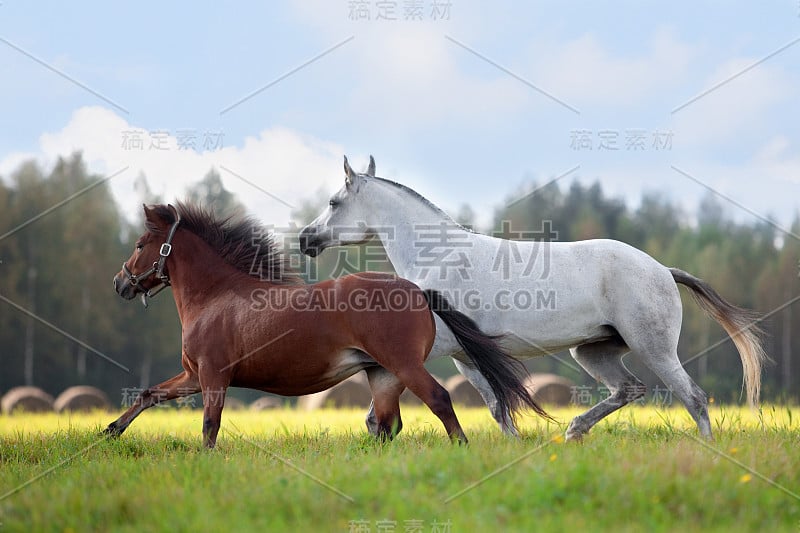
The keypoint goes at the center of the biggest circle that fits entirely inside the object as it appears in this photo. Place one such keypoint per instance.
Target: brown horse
(248, 321)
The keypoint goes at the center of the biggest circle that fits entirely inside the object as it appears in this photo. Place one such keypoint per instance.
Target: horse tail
(505, 374)
(740, 324)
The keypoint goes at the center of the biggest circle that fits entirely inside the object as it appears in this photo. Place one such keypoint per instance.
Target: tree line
(62, 324)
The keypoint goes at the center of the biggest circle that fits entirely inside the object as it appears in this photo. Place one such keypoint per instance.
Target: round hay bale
(409, 398)
(81, 398)
(26, 399)
(352, 392)
(234, 404)
(550, 389)
(266, 402)
(462, 392)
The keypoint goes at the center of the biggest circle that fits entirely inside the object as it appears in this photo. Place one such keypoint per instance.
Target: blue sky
(416, 95)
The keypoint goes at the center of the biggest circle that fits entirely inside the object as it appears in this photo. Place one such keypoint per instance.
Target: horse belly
(297, 379)
(349, 362)
(555, 300)
(535, 319)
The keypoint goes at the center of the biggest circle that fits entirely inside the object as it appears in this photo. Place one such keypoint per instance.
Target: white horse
(599, 298)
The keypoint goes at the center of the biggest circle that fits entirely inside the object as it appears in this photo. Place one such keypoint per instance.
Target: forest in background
(57, 260)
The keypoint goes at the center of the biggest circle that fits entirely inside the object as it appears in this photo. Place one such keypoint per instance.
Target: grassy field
(640, 470)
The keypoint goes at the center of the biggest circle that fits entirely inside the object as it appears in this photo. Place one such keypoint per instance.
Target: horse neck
(196, 272)
(409, 219)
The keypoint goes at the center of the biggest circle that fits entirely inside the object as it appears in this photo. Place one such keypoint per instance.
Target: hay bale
(462, 392)
(234, 404)
(26, 399)
(81, 398)
(266, 402)
(409, 398)
(352, 392)
(550, 389)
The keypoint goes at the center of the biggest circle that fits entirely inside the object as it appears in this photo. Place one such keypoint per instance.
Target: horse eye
(333, 203)
(139, 247)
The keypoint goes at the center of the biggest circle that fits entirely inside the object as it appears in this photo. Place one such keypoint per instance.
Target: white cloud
(411, 76)
(287, 164)
(778, 160)
(583, 71)
(739, 108)
(406, 74)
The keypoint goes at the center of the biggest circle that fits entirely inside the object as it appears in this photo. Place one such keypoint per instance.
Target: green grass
(636, 471)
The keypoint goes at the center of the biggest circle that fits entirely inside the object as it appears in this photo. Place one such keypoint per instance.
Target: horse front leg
(214, 388)
(184, 384)
(383, 420)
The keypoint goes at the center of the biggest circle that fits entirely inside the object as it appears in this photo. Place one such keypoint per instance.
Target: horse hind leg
(436, 397)
(502, 416)
(667, 366)
(660, 354)
(603, 361)
(383, 419)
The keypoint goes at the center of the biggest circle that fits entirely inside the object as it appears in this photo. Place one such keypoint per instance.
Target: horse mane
(414, 194)
(243, 242)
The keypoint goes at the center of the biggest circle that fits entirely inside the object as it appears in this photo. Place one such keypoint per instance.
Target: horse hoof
(573, 436)
(460, 440)
(384, 437)
(112, 430)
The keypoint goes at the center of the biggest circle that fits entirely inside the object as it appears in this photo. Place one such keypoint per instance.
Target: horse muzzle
(123, 287)
(309, 242)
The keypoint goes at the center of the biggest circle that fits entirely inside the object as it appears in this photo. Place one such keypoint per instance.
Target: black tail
(504, 373)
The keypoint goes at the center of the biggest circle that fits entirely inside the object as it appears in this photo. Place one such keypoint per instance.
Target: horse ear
(174, 211)
(371, 167)
(348, 172)
(155, 215)
(150, 213)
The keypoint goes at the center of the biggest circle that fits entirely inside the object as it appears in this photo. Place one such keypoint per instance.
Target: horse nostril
(308, 244)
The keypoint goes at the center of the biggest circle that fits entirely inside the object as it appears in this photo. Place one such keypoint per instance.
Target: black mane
(243, 242)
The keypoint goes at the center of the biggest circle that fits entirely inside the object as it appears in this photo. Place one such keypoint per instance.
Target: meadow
(642, 469)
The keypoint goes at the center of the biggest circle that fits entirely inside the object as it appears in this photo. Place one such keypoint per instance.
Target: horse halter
(158, 266)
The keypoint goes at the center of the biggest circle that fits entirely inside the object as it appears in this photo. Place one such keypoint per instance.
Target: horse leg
(603, 361)
(502, 416)
(385, 407)
(667, 366)
(214, 386)
(372, 419)
(184, 384)
(436, 397)
(660, 353)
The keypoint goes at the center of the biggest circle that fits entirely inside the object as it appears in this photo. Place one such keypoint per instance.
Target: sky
(465, 101)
